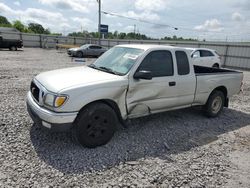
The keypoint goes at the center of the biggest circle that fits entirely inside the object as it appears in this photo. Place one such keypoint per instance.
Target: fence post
(226, 54)
(40, 40)
(21, 36)
(74, 41)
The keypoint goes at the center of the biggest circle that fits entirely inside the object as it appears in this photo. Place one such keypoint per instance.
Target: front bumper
(71, 53)
(51, 120)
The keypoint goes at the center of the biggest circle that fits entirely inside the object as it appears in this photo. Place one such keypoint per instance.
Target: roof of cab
(193, 49)
(149, 46)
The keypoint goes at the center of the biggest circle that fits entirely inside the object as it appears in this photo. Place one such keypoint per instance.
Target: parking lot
(177, 149)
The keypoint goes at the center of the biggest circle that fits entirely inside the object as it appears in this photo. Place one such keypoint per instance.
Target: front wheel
(13, 48)
(79, 54)
(96, 125)
(216, 65)
(215, 104)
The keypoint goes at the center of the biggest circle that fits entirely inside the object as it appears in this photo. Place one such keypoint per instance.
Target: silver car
(87, 50)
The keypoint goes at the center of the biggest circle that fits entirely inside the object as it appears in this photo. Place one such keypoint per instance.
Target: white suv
(205, 57)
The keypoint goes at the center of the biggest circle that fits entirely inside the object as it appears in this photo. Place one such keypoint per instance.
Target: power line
(165, 25)
(139, 20)
(204, 33)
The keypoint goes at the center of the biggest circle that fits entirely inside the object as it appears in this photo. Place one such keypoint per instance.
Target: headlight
(54, 101)
(49, 99)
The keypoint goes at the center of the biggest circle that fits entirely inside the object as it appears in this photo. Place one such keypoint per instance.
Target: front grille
(35, 91)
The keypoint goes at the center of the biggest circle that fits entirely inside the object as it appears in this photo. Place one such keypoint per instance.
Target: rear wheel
(96, 125)
(79, 54)
(216, 65)
(215, 104)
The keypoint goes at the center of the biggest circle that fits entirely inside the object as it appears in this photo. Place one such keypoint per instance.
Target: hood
(73, 49)
(60, 79)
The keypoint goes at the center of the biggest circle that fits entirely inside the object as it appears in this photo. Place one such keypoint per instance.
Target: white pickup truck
(127, 81)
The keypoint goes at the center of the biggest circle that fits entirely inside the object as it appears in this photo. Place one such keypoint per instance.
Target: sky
(199, 19)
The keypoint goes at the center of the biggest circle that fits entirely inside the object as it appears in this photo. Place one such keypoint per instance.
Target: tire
(13, 48)
(96, 125)
(216, 65)
(79, 54)
(215, 104)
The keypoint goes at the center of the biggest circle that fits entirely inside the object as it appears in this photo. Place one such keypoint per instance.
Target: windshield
(118, 60)
(84, 46)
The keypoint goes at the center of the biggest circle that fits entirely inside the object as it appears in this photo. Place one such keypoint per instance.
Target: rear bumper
(48, 119)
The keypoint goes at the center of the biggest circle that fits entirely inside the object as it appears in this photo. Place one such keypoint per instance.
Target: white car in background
(205, 57)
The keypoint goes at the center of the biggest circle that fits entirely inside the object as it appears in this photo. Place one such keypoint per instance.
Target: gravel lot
(175, 149)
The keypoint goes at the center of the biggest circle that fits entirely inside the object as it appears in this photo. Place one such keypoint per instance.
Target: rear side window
(160, 63)
(205, 53)
(182, 63)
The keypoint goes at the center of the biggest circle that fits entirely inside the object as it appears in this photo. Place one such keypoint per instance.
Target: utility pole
(99, 24)
(134, 31)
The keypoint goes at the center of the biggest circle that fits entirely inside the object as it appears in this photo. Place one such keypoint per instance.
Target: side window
(95, 47)
(182, 63)
(160, 63)
(205, 53)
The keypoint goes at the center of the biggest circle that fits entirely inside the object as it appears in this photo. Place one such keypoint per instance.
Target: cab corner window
(182, 63)
(160, 63)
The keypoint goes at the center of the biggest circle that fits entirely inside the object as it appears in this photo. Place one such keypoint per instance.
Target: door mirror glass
(145, 75)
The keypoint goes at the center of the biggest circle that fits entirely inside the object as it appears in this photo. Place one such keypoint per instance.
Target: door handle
(171, 84)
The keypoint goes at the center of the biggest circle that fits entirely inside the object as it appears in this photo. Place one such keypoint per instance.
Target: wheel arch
(223, 89)
(112, 104)
(216, 65)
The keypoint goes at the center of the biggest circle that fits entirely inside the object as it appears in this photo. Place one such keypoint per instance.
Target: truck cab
(11, 44)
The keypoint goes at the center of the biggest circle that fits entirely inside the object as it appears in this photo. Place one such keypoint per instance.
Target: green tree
(116, 34)
(19, 26)
(38, 28)
(80, 34)
(122, 35)
(4, 22)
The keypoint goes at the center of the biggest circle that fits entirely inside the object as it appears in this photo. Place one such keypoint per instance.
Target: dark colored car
(87, 50)
(12, 44)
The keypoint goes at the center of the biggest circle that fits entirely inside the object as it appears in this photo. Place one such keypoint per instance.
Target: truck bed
(207, 79)
(200, 70)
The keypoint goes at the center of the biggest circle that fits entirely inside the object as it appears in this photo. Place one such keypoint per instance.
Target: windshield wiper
(109, 70)
(106, 69)
(92, 66)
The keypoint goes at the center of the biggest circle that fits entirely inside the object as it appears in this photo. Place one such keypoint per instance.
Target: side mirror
(145, 75)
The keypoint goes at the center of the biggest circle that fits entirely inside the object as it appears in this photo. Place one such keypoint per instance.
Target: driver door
(159, 93)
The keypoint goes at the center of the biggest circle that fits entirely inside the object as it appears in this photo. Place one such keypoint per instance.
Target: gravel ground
(174, 149)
